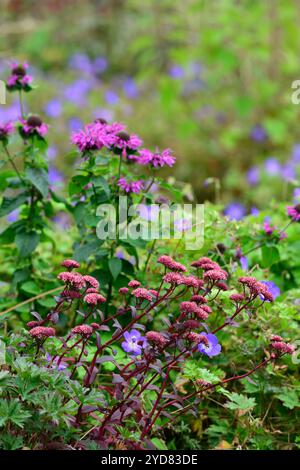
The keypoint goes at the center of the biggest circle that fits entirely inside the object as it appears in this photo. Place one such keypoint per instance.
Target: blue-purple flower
(272, 288)
(253, 175)
(235, 211)
(210, 346)
(134, 342)
(258, 133)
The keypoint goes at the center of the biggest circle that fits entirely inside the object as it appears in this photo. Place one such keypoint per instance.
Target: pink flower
(94, 299)
(173, 278)
(33, 125)
(91, 281)
(142, 293)
(156, 338)
(94, 136)
(281, 347)
(157, 160)
(215, 275)
(123, 143)
(169, 263)
(73, 279)
(237, 297)
(6, 130)
(73, 294)
(40, 332)
(91, 290)
(70, 264)
(123, 290)
(188, 307)
(199, 299)
(134, 283)
(82, 330)
(294, 212)
(19, 80)
(257, 287)
(130, 186)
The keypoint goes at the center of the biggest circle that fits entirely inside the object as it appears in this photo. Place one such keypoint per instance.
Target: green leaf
(27, 242)
(289, 398)
(159, 444)
(240, 402)
(115, 266)
(10, 204)
(270, 255)
(38, 177)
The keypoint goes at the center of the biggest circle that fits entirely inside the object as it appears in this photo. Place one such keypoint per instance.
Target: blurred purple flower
(52, 152)
(244, 263)
(130, 88)
(182, 225)
(176, 71)
(81, 62)
(253, 175)
(62, 219)
(75, 124)
(149, 213)
(53, 108)
(258, 133)
(272, 166)
(296, 194)
(288, 172)
(13, 216)
(100, 65)
(254, 211)
(111, 97)
(296, 153)
(55, 177)
(235, 211)
(76, 92)
(61, 366)
(107, 114)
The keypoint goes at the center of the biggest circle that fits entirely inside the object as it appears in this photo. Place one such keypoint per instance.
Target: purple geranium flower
(254, 211)
(244, 263)
(253, 175)
(176, 71)
(272, 166)
(212, 348)
(53, 108)
(111, 97)
(296, 194)
(130, 88)
(258, 133)
(61, 366)
(272, 288)
(296, 153)
(134, 343)
(235, 211)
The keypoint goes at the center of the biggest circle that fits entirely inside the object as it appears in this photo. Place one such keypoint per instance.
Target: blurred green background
(209, 79)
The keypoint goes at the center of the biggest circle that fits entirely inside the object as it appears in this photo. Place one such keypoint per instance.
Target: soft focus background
(210, 79)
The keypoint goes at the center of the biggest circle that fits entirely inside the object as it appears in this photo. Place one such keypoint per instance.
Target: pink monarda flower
(94, 136)
(142, 293)
(19, 80)
(294, 212)
(91, 281)
(33, 126)
(156, 159)
(215, 275)
(5, 131)
(123, 143)
(70, 264)
(94, 299)
(157, 338)
(134, 284)
(72, 279)
(237, 297)
(41, 332)
(123, 290)
(82, 330)
(130, 186)
(169, 263)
